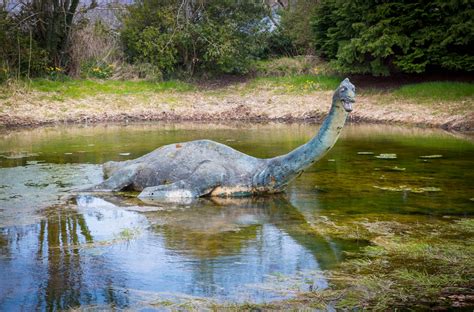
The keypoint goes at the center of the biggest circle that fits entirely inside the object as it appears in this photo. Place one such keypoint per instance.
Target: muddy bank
(36, 108)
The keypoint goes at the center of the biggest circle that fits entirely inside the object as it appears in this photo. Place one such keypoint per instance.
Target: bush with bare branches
(93, 45)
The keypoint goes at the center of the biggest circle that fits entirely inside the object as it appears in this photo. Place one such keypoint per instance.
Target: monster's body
(207, 168)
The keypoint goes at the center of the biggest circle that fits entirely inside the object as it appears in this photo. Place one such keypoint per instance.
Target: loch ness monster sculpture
(207, 168)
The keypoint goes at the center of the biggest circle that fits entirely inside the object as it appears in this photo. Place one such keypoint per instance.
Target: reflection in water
(253, 249)
(120, 252)
(44, 267)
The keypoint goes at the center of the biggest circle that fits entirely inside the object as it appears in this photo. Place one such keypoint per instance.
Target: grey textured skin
(207, 168)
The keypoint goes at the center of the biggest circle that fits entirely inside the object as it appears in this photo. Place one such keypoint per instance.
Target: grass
(426, 92)
(436, 91)
(298, 83)
(70, 88)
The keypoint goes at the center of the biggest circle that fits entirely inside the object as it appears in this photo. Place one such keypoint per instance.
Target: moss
(466, 225)
(407, 268)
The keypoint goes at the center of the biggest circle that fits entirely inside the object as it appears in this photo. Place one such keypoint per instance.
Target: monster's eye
(343, 89)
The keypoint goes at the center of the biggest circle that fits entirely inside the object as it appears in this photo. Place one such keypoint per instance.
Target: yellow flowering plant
(55, 72)
(97, 69)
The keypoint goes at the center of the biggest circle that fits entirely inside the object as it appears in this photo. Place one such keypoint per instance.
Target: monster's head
(345, 95)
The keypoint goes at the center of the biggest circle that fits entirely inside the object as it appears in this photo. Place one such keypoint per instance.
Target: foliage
(406, 36)
(212, 35)
(35, 34)
(94, 45)
(55, 73)
(145, 71)
(286, 66)
(171, 38)
(97, 69)
(20, 54)
(51, 24)
(278, 44)
(295, 25)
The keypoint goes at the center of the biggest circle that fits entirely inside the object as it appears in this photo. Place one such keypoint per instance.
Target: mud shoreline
(36, 109)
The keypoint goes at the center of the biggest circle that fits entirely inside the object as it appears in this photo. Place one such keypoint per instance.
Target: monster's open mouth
(347, 104)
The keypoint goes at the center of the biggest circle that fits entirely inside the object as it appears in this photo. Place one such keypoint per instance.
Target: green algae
(19, 155)
(408, 265)
(412, 270)
(431, 156)
(404, 188)
(395, 168)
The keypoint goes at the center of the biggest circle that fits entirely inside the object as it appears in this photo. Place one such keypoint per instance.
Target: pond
(60, 249)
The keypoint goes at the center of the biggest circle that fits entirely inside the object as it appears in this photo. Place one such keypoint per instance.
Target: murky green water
(59, 252)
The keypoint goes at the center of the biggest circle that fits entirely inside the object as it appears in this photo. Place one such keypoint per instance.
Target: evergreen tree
(380, 37)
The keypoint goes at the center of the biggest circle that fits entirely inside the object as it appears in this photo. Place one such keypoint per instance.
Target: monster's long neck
(282, 169)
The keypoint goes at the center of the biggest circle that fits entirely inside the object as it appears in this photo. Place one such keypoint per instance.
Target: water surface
(59, 250)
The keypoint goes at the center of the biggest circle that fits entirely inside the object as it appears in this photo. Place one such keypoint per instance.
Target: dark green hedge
(382, 37)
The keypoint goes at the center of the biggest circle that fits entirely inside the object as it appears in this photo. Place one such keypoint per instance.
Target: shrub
(296, 26)
(20, 54)
(213, 35)
(286, 66)
(55, 73)
(145, 71)
(395, 36)
(97, 69)
(94, 48)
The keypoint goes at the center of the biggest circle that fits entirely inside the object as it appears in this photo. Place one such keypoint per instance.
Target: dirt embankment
(229, 103)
